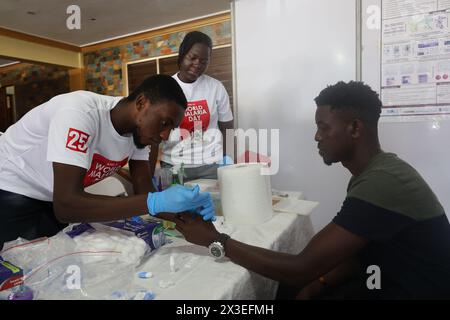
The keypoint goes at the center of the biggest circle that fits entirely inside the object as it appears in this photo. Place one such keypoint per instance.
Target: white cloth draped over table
(198, 276)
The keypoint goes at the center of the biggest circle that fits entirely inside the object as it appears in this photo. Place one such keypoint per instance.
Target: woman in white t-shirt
(198, 142)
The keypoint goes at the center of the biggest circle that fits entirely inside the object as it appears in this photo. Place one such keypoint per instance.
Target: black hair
(352, 96)
(189, 40)
(160, 88)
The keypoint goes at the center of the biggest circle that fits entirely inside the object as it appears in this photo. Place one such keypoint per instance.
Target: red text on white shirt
(101, 168)
(196, 111)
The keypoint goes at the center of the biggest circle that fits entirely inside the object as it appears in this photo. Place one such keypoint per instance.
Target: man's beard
(328, 162)
(136, 139)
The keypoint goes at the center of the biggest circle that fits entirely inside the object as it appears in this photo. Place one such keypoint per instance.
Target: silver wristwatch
(217, 248)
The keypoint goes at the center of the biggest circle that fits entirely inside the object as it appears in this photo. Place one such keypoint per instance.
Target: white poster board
(420, 140)
(415, 59)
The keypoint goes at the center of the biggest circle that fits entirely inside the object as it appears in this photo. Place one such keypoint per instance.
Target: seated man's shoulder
(391, 172)
(395, 185)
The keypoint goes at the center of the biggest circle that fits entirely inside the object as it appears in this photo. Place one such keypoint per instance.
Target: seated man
(74, 140)
(390, 219)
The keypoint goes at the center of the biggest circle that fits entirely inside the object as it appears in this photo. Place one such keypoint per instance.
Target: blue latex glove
(179, 199)
(207, 211)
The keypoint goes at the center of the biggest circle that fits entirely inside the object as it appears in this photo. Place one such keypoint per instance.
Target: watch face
(216, 250)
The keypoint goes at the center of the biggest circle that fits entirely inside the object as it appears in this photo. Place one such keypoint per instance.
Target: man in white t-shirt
(77, 139)
(199, 141)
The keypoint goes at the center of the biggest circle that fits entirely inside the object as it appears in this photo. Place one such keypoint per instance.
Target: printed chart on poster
(415, 57)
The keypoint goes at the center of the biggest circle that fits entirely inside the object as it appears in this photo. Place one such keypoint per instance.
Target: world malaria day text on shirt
(195, 112)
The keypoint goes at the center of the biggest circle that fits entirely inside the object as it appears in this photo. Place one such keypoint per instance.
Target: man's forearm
(339, 275)
(342, 273)
(95, 208)
(283, 267)
(326, 250)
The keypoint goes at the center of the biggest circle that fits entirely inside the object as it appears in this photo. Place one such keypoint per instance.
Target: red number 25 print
(77, 140)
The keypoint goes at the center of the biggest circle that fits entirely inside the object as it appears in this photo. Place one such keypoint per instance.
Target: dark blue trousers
(25, 217)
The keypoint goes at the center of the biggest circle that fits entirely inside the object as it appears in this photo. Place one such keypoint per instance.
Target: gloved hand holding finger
(177, 199)
(207, 211)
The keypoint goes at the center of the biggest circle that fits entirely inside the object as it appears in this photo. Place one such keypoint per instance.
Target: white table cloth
(196, 275)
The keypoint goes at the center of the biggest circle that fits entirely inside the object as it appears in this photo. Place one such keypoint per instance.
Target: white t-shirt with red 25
(73, 128)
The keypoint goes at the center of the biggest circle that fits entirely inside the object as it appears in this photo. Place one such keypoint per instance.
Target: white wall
(286, 52)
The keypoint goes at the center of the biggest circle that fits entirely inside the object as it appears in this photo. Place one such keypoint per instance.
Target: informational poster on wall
(415, 58)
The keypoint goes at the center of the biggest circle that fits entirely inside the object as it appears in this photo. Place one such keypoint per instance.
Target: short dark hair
(355, 96)
(160, 88)
(189, 40)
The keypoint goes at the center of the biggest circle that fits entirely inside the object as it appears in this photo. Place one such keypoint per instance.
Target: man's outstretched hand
(195, 229)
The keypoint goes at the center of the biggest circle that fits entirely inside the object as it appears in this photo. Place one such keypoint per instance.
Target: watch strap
(222, 239)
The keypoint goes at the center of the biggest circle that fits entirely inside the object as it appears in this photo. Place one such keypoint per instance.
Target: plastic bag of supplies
(86, 261)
